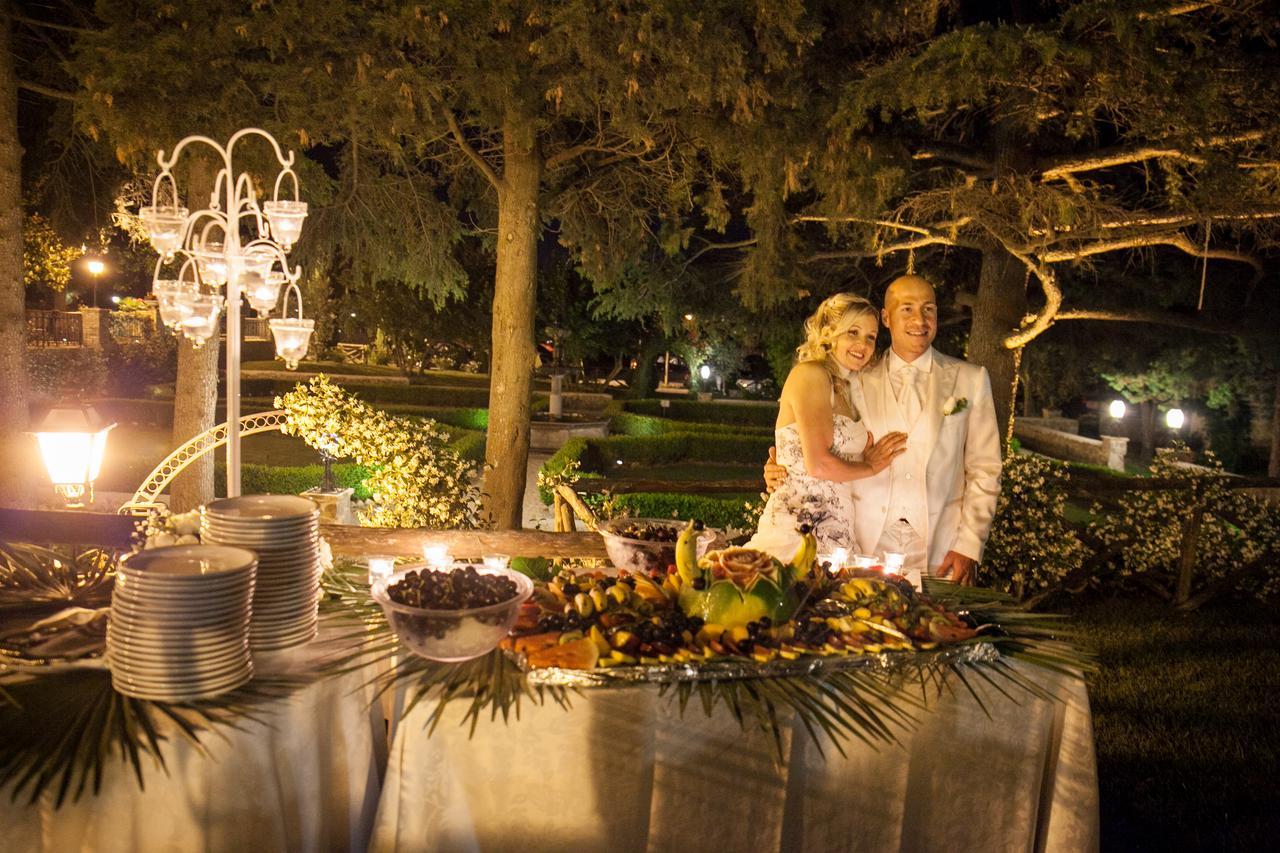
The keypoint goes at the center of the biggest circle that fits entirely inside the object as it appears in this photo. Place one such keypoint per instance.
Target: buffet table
(623, 771)
(305, 777)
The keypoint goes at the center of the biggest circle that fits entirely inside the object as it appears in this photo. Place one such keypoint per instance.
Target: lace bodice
(848, 439)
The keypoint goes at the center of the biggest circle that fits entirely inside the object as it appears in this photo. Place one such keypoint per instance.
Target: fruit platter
(730, 611)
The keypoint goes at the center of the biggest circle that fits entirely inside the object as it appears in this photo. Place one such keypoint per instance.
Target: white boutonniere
(953, 405)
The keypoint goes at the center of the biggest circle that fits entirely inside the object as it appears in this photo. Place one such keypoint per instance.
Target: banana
(583, 603)
(807, 554)
(687, 551)
(619, 593)
(598, 598)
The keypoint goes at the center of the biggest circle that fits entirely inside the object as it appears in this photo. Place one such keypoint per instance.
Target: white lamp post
(1117, 409)
(1174, 418)
(73, 440)
(233, 242)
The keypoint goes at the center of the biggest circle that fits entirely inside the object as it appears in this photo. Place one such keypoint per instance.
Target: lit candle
(893, 562)
(380, 570)
(863, 561)
(839, 557)
(437, 556)
(496, 561)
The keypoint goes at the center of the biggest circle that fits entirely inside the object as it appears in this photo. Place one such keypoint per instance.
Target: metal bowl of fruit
(647, 544)
(456, 614)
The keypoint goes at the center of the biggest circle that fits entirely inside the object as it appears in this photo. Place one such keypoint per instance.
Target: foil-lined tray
(726, 670)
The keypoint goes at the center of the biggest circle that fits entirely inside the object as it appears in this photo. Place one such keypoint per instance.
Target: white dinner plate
(262, 506)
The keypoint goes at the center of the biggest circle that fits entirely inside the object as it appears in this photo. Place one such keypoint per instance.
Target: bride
(819, 438)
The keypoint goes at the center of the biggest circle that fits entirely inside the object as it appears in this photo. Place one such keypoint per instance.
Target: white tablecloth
(622, 771)
(306, 780)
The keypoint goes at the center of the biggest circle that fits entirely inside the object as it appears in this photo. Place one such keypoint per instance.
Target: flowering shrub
(415, 481)
(1032, 547)
(1237, 529)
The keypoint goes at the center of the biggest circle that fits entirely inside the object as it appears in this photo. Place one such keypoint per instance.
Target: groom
(936, 501)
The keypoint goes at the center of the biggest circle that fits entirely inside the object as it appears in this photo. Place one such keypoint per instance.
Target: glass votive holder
(496, 561)
(381, 570)
(838, 558)
(893, 562)
(437, 556)
(864, 561)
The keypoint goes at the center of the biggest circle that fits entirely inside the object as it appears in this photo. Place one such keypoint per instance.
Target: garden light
(95, 266)
(73, 440)
(1175, 418)
(1117, 409)
(115, 300)
(236, 242)
(705, 371)
(293, 336)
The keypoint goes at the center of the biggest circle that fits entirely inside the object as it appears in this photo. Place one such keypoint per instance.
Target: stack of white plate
(284, 531)
(179, 624)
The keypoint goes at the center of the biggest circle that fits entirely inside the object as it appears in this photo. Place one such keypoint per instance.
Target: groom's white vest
(947, 482)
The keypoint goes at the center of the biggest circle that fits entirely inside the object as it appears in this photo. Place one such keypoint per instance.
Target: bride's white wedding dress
(824, 505)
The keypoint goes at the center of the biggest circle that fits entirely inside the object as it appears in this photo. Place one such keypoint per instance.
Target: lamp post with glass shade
(235, 243)
(73, 440)
(95, 268)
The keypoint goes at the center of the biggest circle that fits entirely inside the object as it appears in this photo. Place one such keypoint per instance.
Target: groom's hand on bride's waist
(774, 474)
(957, 567)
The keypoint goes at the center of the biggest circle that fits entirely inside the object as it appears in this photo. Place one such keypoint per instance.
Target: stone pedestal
(93, 327)
(1115, 447)
(335, 506)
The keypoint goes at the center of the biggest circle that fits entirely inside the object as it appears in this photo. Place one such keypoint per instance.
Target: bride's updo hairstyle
(835, 316)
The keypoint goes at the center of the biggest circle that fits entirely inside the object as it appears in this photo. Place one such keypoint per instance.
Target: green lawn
(1185, 716)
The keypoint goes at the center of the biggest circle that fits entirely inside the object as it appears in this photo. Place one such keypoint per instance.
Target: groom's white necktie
(907, 390)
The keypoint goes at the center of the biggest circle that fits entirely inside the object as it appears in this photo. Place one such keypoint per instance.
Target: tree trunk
(997, 311)
(15, 446)
(1273, 464)
(1147, 425)
(511, 367)
(195, 399)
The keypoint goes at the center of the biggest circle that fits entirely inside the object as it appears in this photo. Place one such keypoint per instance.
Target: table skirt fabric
(306, 778)
(623, 771)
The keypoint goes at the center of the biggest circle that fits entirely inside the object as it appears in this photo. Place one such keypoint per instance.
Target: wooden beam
(350, 541)
(66, 527)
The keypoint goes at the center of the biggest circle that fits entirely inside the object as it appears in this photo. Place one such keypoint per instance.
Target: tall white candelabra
(211, 250)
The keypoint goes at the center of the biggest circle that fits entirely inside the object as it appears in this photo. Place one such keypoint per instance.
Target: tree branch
(1061, 167)
(480, 163)
(1177, 240)
(1156, 318)
(1034, 324)
(47, 91)
(50, 25)
(954, 154)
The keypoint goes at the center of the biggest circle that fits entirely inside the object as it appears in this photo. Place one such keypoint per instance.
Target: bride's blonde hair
(835, 316)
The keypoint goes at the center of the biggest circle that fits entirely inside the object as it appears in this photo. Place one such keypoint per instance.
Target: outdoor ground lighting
(1117, 409)
(73, 440)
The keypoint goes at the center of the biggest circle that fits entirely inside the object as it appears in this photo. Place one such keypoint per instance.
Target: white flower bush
(416, 481)
(1032, 547)
(162, 528)
(1237, 530)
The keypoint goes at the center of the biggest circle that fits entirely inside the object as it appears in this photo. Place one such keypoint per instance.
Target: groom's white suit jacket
(947, 482)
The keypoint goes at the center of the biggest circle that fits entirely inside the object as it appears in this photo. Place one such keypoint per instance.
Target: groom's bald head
(911, 313)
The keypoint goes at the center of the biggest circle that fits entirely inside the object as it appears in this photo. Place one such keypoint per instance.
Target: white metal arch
(144, 499)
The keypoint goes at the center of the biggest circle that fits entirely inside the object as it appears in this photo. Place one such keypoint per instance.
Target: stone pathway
(537, 515)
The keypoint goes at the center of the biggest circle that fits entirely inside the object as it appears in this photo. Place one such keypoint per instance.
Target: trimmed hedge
(706, 412)
(628, 423)
(416, 395)
(291, 480)
(596, 455)
(719, 511)
(469, 445)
